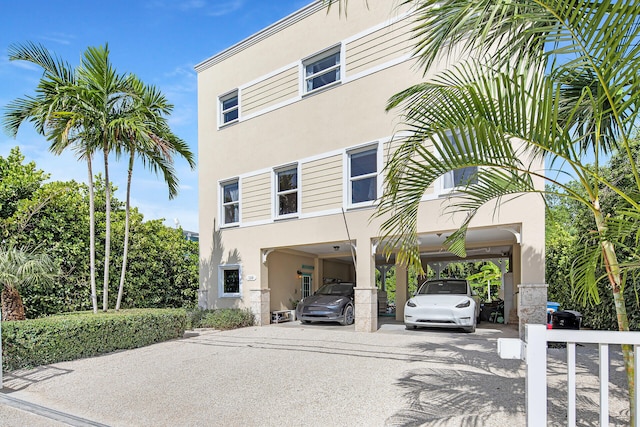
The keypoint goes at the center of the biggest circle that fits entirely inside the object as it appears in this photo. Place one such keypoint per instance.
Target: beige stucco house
(293, 138)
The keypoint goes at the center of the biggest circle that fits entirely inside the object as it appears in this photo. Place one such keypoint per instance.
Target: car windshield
(344, 289)
(443, 288)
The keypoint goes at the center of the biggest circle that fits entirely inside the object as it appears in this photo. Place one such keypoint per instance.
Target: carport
(295, 271)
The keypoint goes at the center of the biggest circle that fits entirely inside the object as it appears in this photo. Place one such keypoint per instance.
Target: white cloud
(210, 8)
(225, 8)
(60, 38)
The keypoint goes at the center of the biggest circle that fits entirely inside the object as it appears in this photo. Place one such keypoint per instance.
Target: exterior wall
(280, 126)
(285, 276)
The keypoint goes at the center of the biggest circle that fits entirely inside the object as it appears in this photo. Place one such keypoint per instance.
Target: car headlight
(467, 303)
(410, 303)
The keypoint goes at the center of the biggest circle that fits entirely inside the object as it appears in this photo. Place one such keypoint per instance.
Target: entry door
(306, 286)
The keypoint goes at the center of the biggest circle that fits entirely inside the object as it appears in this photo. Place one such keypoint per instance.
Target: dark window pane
(464, 176)
(231, 281)
(228, 103)
(287, 203)
(363, 190)
(231, 192)
(231, 214)
(322, 80)
(363, 163)
(231, 115)
(288, 180)
(323, 64)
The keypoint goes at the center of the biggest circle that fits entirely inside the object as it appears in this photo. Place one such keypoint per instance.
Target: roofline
(280, 25)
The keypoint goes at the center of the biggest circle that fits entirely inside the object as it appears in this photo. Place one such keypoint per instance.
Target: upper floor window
(363, 176)
(229, 107)
(287, 191)
(459, 177)
(230, 202)
(322, 69)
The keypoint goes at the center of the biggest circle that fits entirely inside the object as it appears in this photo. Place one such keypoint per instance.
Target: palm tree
(78, 108)
(557, 85)
(144, 132)
(21, 268)
(54, 113)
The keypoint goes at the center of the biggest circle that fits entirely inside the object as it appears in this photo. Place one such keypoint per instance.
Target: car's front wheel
(348, 317)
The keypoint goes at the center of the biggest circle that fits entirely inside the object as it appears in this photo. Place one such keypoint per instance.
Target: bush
(30, 343)
(223, 319)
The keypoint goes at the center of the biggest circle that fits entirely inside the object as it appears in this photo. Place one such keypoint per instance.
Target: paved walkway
(289, 374)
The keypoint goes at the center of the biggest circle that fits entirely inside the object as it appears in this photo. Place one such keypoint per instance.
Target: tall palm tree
(553, 81)
(78, 108)
(145, 133)
(21, 268)
(54, 113)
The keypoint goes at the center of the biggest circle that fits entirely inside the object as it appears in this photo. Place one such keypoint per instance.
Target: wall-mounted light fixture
(336, 248)
(299, 274)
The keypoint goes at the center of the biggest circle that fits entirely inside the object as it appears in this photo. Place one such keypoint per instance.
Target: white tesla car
(447, 303)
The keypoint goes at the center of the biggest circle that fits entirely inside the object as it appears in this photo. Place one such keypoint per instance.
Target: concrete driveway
(286, 374)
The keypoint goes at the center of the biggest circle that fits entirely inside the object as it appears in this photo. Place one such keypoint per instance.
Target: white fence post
(536, 379)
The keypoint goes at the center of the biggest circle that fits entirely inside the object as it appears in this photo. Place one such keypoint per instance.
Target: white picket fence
(534, 352)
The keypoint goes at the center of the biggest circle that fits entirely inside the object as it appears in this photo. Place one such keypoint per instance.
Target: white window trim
(221, 203)
(221, 269)
(347, 174)
(276, 194)
(338, 48)
(221, 112)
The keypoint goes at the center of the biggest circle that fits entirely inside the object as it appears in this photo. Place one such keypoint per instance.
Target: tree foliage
(163, 266)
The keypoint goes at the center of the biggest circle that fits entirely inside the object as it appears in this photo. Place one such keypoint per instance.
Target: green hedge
(30, 343)
(226, 318)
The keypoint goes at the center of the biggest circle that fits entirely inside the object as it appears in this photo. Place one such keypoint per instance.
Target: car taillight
(467, 303)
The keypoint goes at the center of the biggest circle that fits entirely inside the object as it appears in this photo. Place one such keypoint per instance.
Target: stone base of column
(366, 309)
(532, 305)
(260, 304)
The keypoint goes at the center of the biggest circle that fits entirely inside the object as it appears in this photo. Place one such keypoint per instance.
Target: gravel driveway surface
(286, 374)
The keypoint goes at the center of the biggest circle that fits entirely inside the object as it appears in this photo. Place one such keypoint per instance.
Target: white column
(366, 291)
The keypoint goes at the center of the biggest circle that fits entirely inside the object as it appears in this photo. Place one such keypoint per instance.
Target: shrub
(30, 343)
(223, 319)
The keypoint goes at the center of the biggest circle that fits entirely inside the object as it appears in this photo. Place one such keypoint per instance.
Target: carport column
(366, 291)
(401, 290)
(260, 305)
(532, 305)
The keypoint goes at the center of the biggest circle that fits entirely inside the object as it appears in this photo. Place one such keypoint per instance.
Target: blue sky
(158, 40)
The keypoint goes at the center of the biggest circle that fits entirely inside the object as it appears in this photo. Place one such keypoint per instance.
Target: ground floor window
(230, 281)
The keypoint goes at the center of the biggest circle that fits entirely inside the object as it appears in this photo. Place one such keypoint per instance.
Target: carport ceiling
(481, 243)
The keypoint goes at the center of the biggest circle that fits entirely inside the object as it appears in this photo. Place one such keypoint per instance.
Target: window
(306, 286)
(229, 281)
(287, 191)
(363, 176)
(459, 177)
(229, 108)
(322, 69)
(230, 202)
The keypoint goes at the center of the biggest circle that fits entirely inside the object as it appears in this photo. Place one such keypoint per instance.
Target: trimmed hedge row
(30, 343)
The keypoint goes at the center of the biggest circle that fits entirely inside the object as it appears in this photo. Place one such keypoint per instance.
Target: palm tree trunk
(12, 306)
(92, 238)
(125, 251)
(613, 273)
(107, 238)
